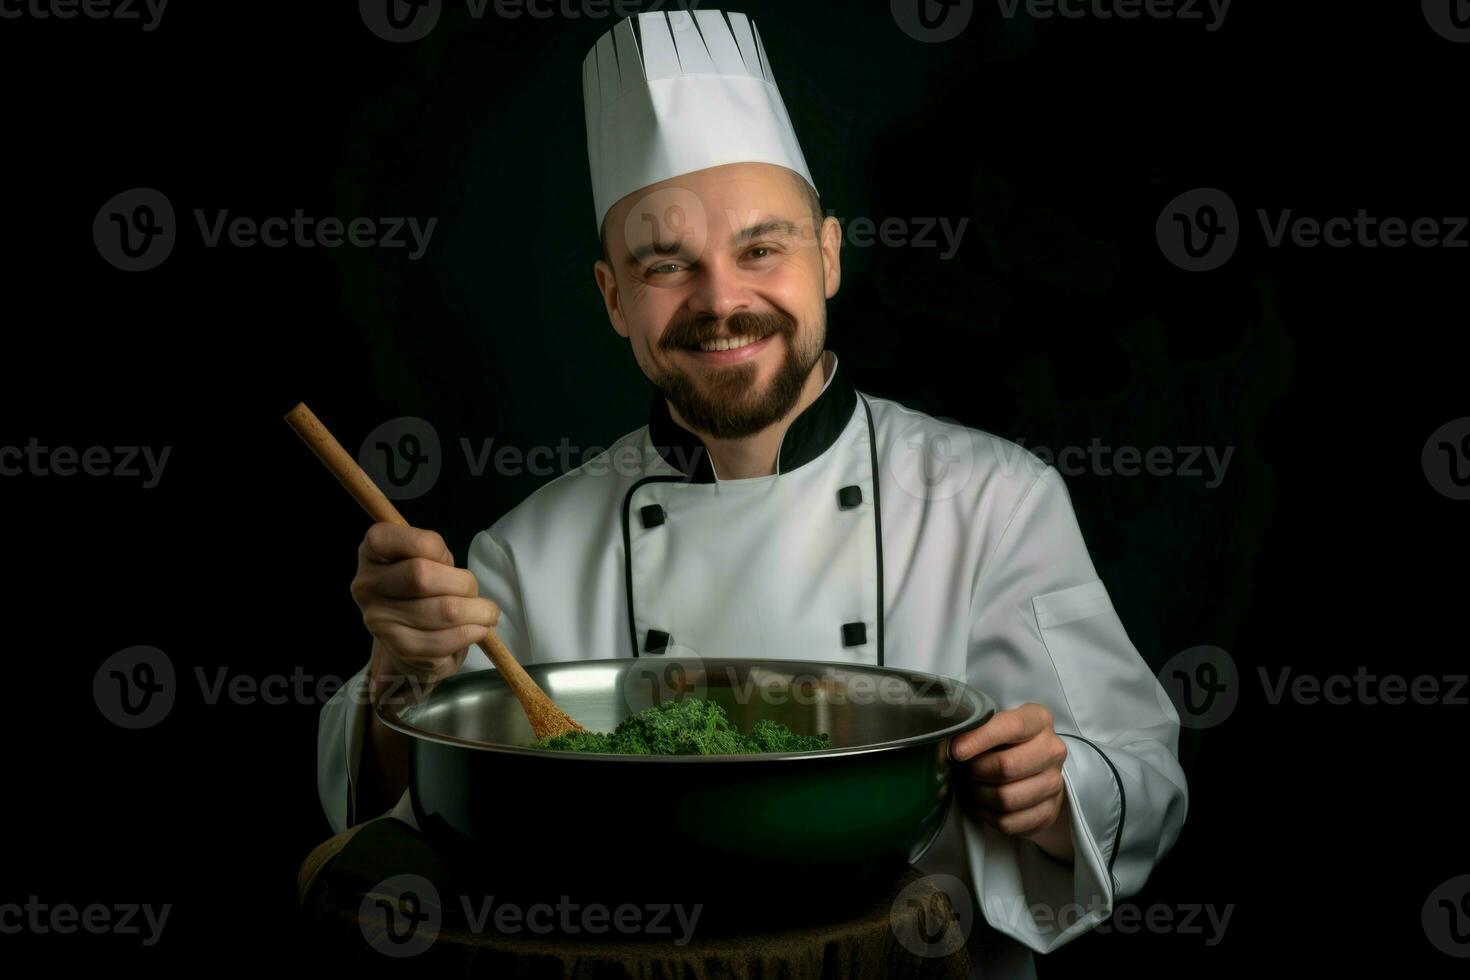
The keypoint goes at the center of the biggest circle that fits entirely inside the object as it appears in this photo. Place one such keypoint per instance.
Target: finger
(386, 542)
(1019, 795)
(432, 612)
(1027, 821)
(1003, 728)
(416, 578)
(1010, 763)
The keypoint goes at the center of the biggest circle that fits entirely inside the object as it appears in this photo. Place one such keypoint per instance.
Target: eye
(668, 268)
(761, 251)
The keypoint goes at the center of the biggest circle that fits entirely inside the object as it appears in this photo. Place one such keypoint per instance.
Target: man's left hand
(1010, 777)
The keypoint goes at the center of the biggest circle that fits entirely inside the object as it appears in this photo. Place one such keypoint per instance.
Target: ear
(607, 284)
(831, 255)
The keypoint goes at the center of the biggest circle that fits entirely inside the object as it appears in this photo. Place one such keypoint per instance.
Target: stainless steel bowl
(872, 803)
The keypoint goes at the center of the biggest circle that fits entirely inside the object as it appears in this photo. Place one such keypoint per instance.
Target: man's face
(719, 280)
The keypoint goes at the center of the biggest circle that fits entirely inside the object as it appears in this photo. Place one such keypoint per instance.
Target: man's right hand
(422, 611)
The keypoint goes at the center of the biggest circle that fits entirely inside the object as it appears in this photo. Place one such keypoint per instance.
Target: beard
(727, 404)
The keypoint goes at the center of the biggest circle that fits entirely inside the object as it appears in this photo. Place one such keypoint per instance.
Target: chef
(770, 509)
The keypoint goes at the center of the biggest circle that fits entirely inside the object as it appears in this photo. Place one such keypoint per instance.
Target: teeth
(727, 343)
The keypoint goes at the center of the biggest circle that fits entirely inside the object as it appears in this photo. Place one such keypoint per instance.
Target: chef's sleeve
(344, 720)
(1044, 630)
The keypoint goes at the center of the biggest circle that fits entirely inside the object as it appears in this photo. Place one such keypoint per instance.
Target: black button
(656, 641)
(849, 497)
(653, 515)
(854, 634)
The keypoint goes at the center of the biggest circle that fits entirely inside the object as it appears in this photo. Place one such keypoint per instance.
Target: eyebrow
(771, 226)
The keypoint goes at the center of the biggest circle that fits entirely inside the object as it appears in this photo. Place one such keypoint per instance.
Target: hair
(807, 191)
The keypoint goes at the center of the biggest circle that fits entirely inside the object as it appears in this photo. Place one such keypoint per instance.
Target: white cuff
(1031, 896)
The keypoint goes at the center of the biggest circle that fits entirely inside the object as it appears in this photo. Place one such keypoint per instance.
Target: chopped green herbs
(692, 726)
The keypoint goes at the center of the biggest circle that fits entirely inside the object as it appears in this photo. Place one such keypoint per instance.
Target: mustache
(693, 331)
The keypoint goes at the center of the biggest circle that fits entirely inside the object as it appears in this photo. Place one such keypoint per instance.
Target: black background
(1059, 320)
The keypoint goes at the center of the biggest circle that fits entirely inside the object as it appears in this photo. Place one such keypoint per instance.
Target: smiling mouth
(725, 343)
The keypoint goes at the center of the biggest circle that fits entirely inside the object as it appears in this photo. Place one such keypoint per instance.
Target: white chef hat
(671, 93)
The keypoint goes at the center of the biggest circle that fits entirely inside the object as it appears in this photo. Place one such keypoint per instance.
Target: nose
(719, 290)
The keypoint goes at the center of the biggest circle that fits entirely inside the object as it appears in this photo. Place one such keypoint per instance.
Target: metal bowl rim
(985, 707)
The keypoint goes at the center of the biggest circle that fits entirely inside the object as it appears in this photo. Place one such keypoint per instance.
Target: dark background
(1325, 548)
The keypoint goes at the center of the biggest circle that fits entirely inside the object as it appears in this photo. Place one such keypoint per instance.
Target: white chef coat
(885, 537)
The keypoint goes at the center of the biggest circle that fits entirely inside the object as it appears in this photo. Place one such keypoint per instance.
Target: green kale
(692, 726)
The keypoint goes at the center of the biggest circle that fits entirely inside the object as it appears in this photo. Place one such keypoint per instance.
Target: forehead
(705, 206)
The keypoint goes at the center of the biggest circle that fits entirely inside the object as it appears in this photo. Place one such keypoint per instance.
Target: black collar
(811, 433)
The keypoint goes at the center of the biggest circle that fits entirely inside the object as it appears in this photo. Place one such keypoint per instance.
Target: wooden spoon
(546, 718)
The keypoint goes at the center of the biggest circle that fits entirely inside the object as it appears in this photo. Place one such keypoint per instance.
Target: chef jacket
(885, 537)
